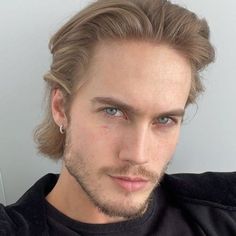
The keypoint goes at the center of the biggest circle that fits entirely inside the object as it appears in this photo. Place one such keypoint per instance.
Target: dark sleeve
(209, 199)
(7, 227)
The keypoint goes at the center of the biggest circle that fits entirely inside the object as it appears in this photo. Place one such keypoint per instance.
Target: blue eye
(164, 120)
(112, 111)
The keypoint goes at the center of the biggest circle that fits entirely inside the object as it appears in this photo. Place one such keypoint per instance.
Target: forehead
(133, 53)
(140, 73)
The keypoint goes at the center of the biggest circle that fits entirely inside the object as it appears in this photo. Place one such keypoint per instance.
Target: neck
(69, 198)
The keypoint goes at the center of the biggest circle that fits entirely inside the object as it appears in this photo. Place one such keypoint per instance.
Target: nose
(135, 146)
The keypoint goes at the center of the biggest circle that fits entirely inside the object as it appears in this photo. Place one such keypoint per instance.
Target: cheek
(165, 147)
(107, 137)
(95, 140)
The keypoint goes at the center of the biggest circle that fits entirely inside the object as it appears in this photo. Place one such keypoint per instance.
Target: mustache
(126, 170)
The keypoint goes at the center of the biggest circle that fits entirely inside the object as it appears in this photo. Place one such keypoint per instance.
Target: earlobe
(57, 107)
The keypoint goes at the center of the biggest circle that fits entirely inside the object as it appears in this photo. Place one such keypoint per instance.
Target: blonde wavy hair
(158, 21)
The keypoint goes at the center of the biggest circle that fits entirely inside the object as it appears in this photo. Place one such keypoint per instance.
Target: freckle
(105, 127)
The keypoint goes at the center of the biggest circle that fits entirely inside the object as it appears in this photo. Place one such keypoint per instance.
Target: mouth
(130, 184)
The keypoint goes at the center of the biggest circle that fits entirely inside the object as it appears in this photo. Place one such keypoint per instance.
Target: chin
(124, 208)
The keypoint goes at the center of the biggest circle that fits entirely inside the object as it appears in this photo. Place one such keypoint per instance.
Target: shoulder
(28, 215)
(217, 188)
(208, 200)
(7, 226)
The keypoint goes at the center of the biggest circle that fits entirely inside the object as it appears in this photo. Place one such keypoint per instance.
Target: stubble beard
(106, 206)
(76, 166)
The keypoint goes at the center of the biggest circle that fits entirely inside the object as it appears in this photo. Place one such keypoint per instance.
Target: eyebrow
(130, 109)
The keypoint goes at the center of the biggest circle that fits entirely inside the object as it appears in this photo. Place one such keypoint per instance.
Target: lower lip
(130, 186)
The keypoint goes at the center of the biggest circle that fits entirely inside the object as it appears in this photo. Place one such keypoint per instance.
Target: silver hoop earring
(62, 130)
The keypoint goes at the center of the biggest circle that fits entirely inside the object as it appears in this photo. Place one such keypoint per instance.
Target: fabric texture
(184, 204)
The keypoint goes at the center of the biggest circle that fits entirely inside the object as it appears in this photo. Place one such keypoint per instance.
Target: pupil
(164, 120)
(111, 111)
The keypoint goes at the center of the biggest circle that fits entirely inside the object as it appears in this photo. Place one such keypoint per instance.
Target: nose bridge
(135, 148)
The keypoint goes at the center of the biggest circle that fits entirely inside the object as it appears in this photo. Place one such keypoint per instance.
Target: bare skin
(124, 126)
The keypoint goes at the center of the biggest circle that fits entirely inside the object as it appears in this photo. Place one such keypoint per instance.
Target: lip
(130, 184)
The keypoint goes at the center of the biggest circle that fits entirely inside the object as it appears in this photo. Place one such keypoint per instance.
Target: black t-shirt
(162, 217)
(183, 205)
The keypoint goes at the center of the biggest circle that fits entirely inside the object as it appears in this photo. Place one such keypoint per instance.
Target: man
(122, 74)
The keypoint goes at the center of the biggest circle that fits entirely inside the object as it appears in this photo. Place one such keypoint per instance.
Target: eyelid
(172, 119)
(112, 107)
(117, 110)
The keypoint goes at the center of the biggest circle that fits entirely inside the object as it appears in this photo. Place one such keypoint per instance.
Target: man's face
(125, 122)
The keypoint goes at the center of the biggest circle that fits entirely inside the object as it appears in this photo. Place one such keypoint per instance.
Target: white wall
(207, 142)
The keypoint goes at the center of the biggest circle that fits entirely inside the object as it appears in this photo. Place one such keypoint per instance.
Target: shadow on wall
(2, 191)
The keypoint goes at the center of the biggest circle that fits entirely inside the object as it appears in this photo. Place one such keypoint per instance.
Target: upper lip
(130, 178)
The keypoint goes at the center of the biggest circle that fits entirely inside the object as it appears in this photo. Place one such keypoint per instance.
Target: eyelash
(171, 120)
(109, 115)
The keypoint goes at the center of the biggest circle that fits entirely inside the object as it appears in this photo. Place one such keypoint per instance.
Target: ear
(58, 109)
